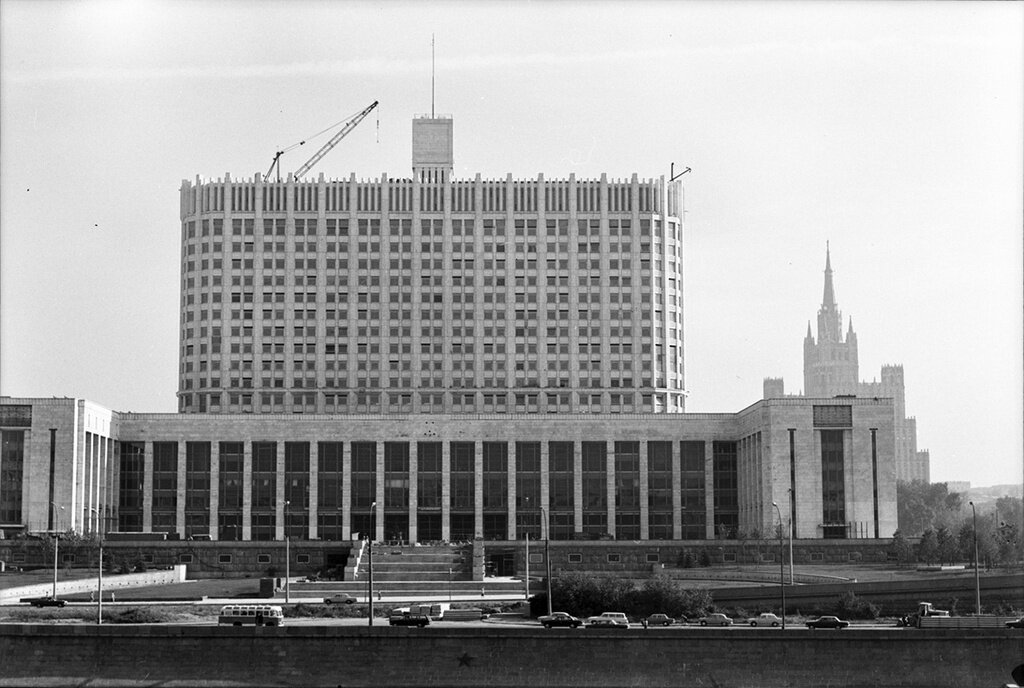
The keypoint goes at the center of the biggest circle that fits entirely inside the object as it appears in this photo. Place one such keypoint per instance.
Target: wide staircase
(407, 570)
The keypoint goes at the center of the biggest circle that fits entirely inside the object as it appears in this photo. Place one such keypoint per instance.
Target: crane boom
(349, 126)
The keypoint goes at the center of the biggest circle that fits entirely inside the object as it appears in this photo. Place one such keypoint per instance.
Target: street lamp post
(977, 575)
(56, 544)
(99, 575)
(782, 570)
(791, 526)
(369, 542)
(547, 555)
(527, 577)
(287, 557)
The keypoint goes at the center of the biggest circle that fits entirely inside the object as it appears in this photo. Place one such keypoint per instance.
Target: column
(609, 454)
(247, 491)
(147, 487)
(413, 533)
(709, 490)
(545, 485)
(446, 491)
(644, 493)
(214, 490)
(677, 492)
(577, 487)
(346, 490)
(511, 492)
(314, 481)
(378, 452)
(279, 506)
(179, 517)
(478, 490)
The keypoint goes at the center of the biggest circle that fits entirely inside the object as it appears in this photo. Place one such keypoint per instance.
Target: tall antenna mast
(431, 76)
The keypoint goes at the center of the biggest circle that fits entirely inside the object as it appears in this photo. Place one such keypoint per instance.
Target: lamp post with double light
(782, 565)
(791, 526)
(977, 575)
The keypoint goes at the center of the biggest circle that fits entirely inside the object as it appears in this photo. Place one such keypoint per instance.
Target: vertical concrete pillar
(214, 490)
(611, 484)
(279, 506)
(147, 487)
(510, 449)
(414, 491)
(677, 492)
(645, 531)
(179, 517)
(247, 491)
(346, 492)
(709, 490)
(446, 491)
(314, 473)
(577, 486)
(378, 451)
(545, 486)
(478, 490)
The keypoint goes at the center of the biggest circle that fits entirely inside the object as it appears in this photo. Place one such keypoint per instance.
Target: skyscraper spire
(828, 299)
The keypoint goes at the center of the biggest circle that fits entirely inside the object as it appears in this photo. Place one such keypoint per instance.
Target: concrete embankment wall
(111, 584)
(357, 656)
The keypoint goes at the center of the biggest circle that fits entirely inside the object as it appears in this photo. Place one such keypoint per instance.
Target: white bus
(251, 615)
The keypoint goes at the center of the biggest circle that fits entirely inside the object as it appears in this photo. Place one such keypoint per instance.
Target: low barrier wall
(132, 656)
(111, 584)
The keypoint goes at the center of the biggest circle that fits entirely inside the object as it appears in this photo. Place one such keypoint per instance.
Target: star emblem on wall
(466, 660)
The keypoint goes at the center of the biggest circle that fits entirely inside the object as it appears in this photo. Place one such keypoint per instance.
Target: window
(184, 558)
(614, 558)
(262, 558)
(575, 558)
(302, 559)
(653, 557)
(224, 559)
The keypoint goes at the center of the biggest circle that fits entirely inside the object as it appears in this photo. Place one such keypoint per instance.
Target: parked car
(659, 620)
(716, 619)
(340, 598)
(47, 601)
(1016, 623)
(409, 619)
(559, 619)
(613, 619)
(765, 619)
(828, 622)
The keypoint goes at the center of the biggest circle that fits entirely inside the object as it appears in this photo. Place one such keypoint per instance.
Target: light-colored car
(716, 619)
(340, 598)
(613, 619)
(659, 620)
(765, 619)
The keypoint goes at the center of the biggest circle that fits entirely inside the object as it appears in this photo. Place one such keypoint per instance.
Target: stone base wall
(359, 656)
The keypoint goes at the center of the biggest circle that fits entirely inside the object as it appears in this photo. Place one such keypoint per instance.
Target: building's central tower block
(432, 159)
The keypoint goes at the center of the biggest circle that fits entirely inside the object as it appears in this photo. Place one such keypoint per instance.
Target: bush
(584, 596)
(850, 606)
(139, 615)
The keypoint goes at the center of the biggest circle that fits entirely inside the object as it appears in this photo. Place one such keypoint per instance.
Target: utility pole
(977, 575)
(369, 544)
(782, 570)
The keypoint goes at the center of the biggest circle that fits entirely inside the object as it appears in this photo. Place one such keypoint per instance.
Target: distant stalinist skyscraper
(831, 368)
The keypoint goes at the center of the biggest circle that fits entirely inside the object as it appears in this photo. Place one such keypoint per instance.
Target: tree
(948, 547)
(920, 506)
(928, 549)
(901, 548)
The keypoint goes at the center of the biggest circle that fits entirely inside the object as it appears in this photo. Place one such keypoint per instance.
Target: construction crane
(325, 149)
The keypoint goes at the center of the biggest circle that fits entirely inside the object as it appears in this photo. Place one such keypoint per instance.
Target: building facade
(827, 463)
(831, 368)
(431, 295)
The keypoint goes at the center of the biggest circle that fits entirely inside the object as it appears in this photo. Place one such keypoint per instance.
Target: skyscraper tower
(830, 362)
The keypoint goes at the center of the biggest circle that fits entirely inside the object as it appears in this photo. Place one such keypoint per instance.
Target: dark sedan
(1016, 623)
(560, 619)
(420, 620)
(47, 601)
(828, 622)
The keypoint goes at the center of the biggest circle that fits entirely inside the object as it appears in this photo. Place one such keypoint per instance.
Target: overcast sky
(892, 130)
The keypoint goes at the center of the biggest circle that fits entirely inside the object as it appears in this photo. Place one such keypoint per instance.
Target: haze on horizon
(891, 130)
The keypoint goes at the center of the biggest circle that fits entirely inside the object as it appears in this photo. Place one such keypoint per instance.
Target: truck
(928, 616)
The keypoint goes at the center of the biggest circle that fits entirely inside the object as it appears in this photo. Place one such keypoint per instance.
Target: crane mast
(349, 126)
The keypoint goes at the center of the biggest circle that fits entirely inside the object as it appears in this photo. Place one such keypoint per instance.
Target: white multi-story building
(431, 295)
